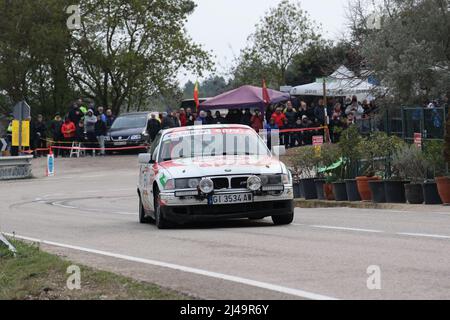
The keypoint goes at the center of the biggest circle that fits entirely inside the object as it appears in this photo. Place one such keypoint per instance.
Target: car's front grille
(120, 138)
(221, 183)
(239, 182)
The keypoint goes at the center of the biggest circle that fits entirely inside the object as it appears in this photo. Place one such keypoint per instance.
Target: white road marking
(58, 204)
(347, 229)
(424, 235)
(339, 228)
(409, 234)
(382, 210)
(216, 275)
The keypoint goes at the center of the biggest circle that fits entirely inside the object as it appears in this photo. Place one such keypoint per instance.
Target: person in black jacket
(219, 119)
(56, 134)
(100, 132)
(153, 127)
(247, 118)
(39, 135)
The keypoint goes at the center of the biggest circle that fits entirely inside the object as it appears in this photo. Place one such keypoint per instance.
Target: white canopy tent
(342, 83)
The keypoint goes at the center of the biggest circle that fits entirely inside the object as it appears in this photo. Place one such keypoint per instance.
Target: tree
(126, 53)
(33, 46)
(210, 87)
(283, 33)
(130, 50)
(409, 49)
(320, 60)
(250, 69)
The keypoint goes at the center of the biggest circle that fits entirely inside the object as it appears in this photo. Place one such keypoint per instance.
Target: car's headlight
(206, 185)
(286, 178)
(187, 183)
(136, 137)
(254, 183)
(275, 179)
(107, 138)
(170, 185)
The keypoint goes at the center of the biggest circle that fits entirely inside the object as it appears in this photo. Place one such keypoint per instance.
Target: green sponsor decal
(163, 180)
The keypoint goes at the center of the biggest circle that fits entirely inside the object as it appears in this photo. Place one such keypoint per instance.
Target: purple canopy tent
(242, 98)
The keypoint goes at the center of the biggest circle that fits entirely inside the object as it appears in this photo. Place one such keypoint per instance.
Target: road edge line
(210, 274)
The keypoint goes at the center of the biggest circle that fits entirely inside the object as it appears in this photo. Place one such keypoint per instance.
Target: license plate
(232, 198)
(120, 143)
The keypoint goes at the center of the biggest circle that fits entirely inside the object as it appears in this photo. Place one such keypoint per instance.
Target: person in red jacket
(68, 131)
(279, 117)
(257, 121)
(183, 117)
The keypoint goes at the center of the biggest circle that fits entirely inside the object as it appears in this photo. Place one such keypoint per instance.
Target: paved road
(88, 213)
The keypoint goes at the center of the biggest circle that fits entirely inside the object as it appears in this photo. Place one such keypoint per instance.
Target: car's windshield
(211, 142)
(129, 122)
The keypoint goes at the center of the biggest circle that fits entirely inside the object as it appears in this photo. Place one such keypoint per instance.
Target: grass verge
(37, 275)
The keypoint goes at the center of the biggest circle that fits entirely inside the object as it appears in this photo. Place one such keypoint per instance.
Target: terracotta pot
(363, 187)
(328, 191)
(443, 185)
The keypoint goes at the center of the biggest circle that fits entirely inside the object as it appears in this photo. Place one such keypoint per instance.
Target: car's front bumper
(125, 144)
(189, 209)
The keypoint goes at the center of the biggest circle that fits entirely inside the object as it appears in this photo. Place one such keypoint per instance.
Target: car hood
(223, 165)
(126, 132)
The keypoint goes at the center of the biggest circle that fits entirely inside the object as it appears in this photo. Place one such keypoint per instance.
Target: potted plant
(328, 155)
(328, 187)
(331, 168)
(409, 162)
(366, 149)
(348, 140)
(443, 182)
(434, 155)
(304, 160)
(378, 149)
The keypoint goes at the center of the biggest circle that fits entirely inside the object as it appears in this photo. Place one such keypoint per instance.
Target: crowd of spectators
(311, 118)
(82, 123)
(297, 121)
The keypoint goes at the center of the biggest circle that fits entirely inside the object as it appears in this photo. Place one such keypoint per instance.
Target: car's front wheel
(160, 221)
(142, 217)
(283, 219)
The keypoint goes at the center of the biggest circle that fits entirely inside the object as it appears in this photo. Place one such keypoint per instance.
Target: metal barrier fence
(15, 167)
(405, 122)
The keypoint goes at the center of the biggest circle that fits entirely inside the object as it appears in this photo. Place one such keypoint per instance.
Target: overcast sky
(222, 26)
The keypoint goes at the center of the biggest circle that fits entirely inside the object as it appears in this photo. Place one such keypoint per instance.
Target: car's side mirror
(145, 158)
(278, 151)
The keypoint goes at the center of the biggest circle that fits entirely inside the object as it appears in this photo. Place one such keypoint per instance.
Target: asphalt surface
(88, 212)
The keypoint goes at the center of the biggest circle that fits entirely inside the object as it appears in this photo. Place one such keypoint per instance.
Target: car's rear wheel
(283, 219)
(160, 221)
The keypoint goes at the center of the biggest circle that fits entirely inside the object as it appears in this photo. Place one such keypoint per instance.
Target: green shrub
(377, 150)
(434, 154)
(409, 162)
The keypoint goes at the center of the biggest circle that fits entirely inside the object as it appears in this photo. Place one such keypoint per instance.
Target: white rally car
(214, 172)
